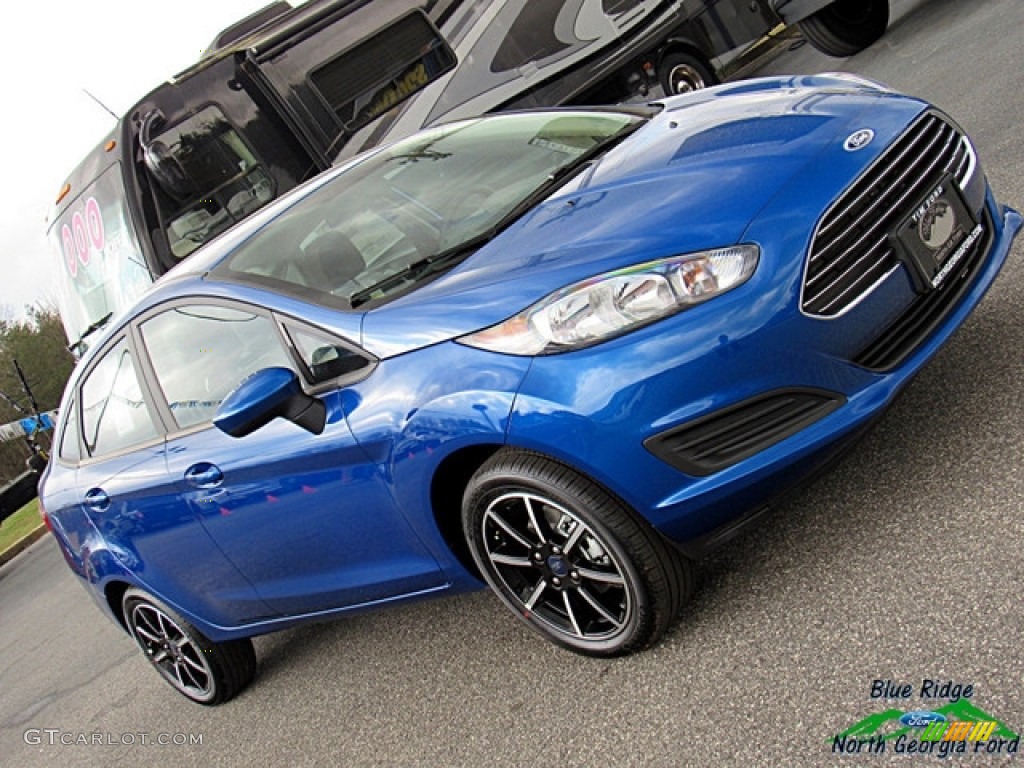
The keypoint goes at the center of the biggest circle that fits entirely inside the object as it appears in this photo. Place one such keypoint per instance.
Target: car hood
(693, 178)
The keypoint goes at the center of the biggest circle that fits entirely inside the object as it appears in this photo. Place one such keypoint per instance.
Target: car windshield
(418, 207)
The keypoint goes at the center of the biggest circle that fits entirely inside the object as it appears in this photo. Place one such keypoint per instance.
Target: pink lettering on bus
(69, 250)
(85, 235)
(94, 223)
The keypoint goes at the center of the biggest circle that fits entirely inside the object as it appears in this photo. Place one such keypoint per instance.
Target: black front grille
(851, 251)
(726, 437)
(927, 312)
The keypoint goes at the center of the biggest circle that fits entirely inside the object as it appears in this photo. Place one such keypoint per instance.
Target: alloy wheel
(557, 568)
(172, 651)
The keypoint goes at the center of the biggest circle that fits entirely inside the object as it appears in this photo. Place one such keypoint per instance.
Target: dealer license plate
(937, 236)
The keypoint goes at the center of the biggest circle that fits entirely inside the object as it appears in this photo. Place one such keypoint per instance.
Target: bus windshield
(102, 270)
(208, 177)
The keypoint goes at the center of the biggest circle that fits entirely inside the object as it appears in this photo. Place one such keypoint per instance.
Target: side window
(365, 81)
(325, 358)
(69, 447)
(201, 352)
(114, 414)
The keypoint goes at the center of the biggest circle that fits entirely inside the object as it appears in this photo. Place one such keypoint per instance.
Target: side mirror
(265, 395)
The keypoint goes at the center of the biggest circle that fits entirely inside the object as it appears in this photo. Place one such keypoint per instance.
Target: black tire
(683, 73)
(569, 559)
(846, 27)
(206, 672)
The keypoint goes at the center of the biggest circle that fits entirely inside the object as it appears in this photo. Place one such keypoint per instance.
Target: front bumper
(606, 402)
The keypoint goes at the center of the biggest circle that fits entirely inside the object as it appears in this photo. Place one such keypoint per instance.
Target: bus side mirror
(266, 395)
(160, 161)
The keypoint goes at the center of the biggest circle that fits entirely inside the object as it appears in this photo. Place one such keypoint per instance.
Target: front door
(308, 519)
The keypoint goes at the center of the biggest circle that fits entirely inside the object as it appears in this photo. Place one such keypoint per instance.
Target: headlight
(614, 303)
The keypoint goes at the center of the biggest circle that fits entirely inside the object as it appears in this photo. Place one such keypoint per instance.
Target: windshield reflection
(387, 222)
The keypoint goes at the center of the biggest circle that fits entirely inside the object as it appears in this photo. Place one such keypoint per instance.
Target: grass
(22, 522)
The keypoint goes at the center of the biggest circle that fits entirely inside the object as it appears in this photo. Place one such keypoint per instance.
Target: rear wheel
(568, 559)
(846, 27)
(199, 669)
(684, 73)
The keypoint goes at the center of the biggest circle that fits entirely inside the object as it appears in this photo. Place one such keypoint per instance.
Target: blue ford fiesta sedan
(564, 351)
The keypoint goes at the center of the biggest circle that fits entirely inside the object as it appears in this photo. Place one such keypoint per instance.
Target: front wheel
(683, 73)
(846, 27)
(568, 559)
(199, 669)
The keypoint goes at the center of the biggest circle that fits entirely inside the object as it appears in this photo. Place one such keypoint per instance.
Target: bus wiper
(421, 269)
(78, 348)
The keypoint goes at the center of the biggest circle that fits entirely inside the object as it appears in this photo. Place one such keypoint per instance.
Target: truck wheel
(847, 26)
(683, 73)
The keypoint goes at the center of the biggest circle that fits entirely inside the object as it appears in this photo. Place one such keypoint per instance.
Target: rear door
(123, 487)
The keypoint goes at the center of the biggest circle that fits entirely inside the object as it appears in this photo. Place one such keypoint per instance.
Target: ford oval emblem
(922, 718)
(859, 140)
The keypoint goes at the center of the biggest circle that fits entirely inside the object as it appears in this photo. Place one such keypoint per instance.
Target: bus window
(366, 81)
(209, 177)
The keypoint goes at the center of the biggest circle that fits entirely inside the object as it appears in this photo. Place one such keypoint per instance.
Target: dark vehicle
(565, 352)
(282, 95)
(840, 28)
(18, 492)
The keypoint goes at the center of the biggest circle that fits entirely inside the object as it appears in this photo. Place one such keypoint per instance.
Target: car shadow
(945, 428)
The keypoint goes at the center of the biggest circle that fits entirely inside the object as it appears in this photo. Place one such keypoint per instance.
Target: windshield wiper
(422, 268)
(449, 258)
(560, 175)
(78, 348)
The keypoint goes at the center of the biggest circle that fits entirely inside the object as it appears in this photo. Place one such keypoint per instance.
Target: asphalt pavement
(902, 565)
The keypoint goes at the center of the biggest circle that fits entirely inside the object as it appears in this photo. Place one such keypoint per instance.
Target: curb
(22, 544)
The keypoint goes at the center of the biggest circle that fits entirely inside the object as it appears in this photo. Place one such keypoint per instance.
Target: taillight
(46, 518)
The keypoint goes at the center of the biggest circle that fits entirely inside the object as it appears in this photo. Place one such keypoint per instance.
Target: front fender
(420, 408)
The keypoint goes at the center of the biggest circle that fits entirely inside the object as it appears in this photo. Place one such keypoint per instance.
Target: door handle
(204, 475)
(97, 500)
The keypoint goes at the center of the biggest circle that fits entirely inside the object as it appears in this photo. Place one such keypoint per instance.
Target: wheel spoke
(194, 664)
(537, 592)
(143, 617)
(593, 602)
(516, 562)
(160, 657)
(533, 519)
(177, 674)
(146, 634)
(572, 615)
(162, 626)
(509, 529)
(601, 576)
(191, 675)
(574, 537)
